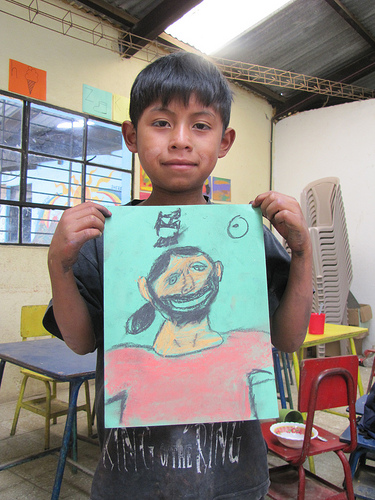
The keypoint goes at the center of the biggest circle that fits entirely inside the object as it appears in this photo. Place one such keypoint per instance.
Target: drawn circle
(238, 227)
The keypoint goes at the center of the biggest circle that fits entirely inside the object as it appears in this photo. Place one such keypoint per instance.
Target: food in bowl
(291, 434)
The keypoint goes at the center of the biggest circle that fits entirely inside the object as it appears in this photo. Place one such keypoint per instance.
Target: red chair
(325, 383)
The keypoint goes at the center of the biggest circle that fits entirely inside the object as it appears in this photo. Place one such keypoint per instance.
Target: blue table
(52, 358)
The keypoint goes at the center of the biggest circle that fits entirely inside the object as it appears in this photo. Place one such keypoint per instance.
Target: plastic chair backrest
(31, 322)
(333, 390)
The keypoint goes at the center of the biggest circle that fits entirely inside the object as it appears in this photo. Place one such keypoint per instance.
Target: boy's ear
(130, 136)
(226, 142)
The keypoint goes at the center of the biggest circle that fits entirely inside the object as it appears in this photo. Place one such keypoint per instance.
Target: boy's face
(178, 145)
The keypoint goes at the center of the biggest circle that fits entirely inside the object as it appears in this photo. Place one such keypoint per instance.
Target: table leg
(74, 389)
(354, 351)
(295, 357)
(296, 367)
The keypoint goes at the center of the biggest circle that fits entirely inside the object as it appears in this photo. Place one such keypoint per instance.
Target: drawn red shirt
(213, 385)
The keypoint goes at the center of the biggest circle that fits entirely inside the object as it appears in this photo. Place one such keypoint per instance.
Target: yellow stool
(48, 406)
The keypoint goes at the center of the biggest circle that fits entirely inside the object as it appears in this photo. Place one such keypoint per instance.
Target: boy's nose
(180, 138)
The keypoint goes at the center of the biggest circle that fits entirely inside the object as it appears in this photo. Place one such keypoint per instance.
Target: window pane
(53, 182)
(10, 165)
(10, 121)
(106, 146)
(38, 225)
(8, 224)
(107, 186)
(55, 132)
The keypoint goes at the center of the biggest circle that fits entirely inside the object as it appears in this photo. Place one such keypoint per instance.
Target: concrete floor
(34, 480)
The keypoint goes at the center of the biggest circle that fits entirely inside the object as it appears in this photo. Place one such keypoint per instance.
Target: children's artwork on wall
(186, 316)
(144, 181)
(143, 195)
(96, 102)
(26, 80)
(207, 190)
(120, 108)
(221, 189)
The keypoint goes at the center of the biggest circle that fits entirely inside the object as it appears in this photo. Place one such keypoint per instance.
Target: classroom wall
(69, 64)
(337, 141)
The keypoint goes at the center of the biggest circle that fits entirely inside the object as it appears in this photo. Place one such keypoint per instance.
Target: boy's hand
(77, 225)
(285, 214)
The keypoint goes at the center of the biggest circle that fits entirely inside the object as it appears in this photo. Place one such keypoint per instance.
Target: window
(51, 159)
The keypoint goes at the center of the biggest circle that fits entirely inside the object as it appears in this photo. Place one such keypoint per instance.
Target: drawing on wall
(120, 108)
(207, 190)
(95, 191)
(144, 180)
(186, 316)
(143, 195)
(221, 189)
(26, 80)
(96, 102)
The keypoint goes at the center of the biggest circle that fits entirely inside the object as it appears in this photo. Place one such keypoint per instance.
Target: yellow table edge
(332, 333)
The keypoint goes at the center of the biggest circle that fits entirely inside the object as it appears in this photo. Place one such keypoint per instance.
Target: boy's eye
(161, 123)
(202, 126)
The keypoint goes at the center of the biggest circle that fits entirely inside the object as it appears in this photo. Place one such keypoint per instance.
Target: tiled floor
(34, 480)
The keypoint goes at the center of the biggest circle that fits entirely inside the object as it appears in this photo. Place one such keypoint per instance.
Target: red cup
(316, 325)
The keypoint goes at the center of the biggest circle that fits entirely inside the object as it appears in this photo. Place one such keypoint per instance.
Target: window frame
(25, 151)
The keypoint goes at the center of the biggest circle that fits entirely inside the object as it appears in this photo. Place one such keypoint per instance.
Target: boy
(180, 109)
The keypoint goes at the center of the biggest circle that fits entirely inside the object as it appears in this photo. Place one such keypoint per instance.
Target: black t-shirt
(197, 461)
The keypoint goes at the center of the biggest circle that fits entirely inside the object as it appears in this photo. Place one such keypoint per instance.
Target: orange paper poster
(26, 80)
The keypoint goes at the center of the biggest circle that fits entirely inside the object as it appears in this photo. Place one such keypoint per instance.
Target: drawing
(207, 191)
(143, 195)
(167, 227)
(96, 102)
(186, 316)
(26, 80)
(144, 180)
(221, 189)
(120, 108)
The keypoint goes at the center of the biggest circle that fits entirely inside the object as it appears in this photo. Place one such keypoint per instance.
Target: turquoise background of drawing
(129, 238)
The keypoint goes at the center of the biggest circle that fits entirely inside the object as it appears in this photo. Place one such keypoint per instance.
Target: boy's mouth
(179, 163)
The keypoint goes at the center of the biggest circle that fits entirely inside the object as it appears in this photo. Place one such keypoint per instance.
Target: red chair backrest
(332, 391)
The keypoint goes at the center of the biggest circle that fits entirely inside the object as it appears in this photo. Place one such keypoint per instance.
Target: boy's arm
(291, 318)
(77, 226)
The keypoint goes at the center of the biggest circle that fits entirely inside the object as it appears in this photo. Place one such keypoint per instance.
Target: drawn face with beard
(185, 289)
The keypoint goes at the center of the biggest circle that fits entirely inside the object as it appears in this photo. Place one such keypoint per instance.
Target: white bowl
(291, 434)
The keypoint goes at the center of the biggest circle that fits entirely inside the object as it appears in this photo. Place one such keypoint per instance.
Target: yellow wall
(69, 63)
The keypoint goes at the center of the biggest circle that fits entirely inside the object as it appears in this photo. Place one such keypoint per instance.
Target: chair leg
(278, 376)
(48, 416)
(301, 483)
(347, 473)
(53, 396)
(286, 377)
(18, 407)
(93, 414)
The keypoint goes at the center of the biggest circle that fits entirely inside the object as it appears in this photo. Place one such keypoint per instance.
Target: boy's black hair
(180, 75)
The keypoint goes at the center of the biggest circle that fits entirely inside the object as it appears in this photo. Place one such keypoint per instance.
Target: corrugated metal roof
(137, 8)
(312, 38)
(327, 39)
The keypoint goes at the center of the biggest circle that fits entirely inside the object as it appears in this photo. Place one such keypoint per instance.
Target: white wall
(337, 141)
(70, 63)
